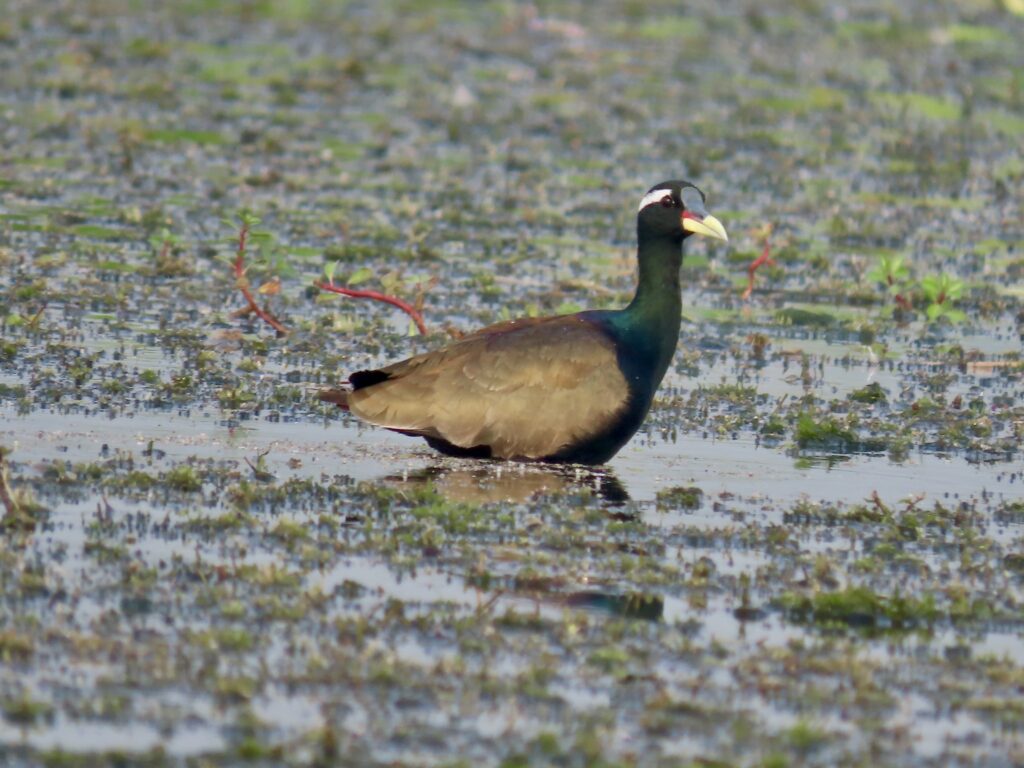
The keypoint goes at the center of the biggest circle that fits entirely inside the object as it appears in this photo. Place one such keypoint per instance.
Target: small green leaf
(283, 269)
(932, 287)
(933, 311)
(361, 275)
(391, 282)
(329, 270)
(890, 270)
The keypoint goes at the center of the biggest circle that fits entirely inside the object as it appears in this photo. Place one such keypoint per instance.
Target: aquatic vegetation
(861, 607)
(892, 272)
(938, 292)
(681, 497)
(363, 274)
(760, 261)
(832, 435)
(870, 394)
(246, 235)
(941, 291)
(21, 511)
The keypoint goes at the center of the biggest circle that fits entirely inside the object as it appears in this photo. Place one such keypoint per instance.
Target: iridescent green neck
(650, 324)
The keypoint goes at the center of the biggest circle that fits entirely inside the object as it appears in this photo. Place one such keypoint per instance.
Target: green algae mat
(812, 553)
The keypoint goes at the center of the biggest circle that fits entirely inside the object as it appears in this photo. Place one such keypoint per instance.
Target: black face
(665, 205)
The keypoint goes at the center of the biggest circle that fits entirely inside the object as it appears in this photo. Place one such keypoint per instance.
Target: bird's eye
(667, 201)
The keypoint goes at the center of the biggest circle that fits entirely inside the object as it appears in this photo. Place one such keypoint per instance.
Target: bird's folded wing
(525, 388)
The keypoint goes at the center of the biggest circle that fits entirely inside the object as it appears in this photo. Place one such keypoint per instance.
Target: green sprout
(941, 291)
(893, 273)
(164, 241)
(890, 271)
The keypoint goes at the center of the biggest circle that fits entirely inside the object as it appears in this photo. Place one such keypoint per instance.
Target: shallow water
(720, 467)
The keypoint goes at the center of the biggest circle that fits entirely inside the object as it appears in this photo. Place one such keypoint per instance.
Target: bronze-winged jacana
(572, 388)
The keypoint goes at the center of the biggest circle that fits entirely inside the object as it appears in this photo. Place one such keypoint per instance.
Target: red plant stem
(243, 285)
(394, 301)
(764, 258)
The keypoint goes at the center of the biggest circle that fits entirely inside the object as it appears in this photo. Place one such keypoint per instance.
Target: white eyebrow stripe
(653, 196)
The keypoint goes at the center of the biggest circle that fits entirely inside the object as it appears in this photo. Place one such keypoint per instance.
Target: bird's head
(676, 209)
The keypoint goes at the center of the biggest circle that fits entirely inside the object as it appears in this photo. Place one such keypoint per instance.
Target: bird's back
(547, 388)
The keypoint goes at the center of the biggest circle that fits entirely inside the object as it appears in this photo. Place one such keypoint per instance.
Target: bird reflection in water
(516, 483)
(491, 484)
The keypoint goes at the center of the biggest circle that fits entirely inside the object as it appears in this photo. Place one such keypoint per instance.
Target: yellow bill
(708, 225)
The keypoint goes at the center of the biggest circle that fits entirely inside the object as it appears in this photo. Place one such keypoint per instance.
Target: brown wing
(525, 388)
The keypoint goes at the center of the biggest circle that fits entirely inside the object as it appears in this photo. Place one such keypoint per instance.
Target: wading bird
(572, 388)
